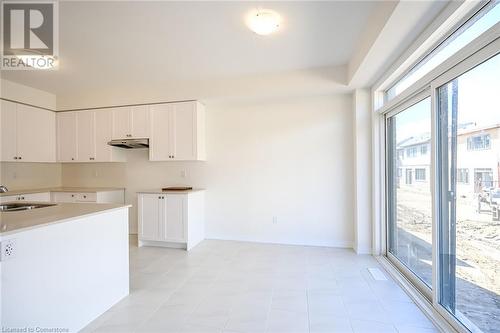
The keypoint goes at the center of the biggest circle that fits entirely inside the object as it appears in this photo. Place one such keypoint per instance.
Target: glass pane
(470, 228)
(472, 29)
(409, 211)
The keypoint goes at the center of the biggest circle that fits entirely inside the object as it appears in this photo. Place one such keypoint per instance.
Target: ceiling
(121, 52)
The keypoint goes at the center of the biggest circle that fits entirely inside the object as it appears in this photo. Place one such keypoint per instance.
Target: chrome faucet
(3, 189)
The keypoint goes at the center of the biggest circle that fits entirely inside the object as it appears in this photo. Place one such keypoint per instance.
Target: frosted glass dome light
(263, 21)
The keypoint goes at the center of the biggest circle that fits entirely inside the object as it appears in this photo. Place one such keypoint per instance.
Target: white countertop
(13, 222)
(62, 189)
(159, 191)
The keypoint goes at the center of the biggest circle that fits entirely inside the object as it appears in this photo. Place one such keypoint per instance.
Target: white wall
(24, 94)
(288, 158)
(361, 111)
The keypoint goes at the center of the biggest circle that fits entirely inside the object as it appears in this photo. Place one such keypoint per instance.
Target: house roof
(414, 140)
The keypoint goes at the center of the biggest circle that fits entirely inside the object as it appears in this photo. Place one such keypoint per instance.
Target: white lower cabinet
(37, 197)
(171, 219)
(92, 197)
(100, 196)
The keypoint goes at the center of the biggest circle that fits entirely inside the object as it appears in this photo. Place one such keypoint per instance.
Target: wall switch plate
(275, 220)
(8, 248)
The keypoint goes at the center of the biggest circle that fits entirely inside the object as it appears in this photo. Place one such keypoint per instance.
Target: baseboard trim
(420, 300)
(341, 244)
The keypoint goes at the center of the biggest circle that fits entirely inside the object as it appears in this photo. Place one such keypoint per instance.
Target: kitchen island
(62, 266)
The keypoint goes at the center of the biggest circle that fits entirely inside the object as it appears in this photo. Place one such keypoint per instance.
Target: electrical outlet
(275, 220)
(8, 250)
(183, 173)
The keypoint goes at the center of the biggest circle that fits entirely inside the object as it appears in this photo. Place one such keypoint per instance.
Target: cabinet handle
(85, 197)
(159, 197)
(72, 158)
(19, 157)
(15, 157)
(91, 158)
(72, 195)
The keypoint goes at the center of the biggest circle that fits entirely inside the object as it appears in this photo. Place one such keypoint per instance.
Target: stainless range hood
(130, 143)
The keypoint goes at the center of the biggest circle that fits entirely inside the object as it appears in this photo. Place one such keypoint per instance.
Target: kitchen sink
(18, 206)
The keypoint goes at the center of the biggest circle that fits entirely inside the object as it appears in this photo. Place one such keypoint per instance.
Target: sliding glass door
(468, 273)
(409, 208)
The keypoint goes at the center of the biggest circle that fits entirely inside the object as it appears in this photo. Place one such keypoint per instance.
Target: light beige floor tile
(287, 322)
(367, 326)
(327, 323)
(237, 287)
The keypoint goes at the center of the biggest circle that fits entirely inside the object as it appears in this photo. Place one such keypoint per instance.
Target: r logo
(28, 26)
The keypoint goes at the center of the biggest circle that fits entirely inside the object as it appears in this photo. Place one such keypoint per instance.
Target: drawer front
(42, 197)
(86, 197)
(8, 198)
(63, 197)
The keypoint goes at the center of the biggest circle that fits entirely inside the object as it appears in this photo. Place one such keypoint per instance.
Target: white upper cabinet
(103, 134)
(160, 141)
(28, 133)
(177, 132)
(183, 127)
(83, 136)
(121, 123)
(67, 137)
(140, 125)
(36, 134)
(8, 135)
(85, 122)
(131, 122)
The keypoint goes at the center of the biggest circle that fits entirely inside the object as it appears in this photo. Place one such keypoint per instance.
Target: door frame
(482, 55)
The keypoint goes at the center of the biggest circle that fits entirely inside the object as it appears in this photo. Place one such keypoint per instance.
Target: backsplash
(18, 176)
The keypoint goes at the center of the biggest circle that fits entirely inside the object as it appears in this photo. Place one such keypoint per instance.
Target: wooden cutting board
(177, 188)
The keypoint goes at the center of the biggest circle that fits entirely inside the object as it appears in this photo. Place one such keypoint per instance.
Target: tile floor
(237, 287)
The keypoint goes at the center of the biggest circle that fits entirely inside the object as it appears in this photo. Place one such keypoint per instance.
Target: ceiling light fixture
(263, 21)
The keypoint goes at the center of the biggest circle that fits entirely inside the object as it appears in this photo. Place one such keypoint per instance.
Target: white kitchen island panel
(64, 275)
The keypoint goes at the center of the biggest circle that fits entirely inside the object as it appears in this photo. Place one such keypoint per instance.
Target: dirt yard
(477, 252)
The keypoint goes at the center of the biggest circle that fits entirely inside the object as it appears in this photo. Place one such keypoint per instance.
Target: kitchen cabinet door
(149, 216)
(183, 129)
(103, 134)
(66, 137)
(160, 140)
(36, 138)
(8, 129)
(140, 121)
(173, 222)
(121, 123)
(85, 136)
(103, 130)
